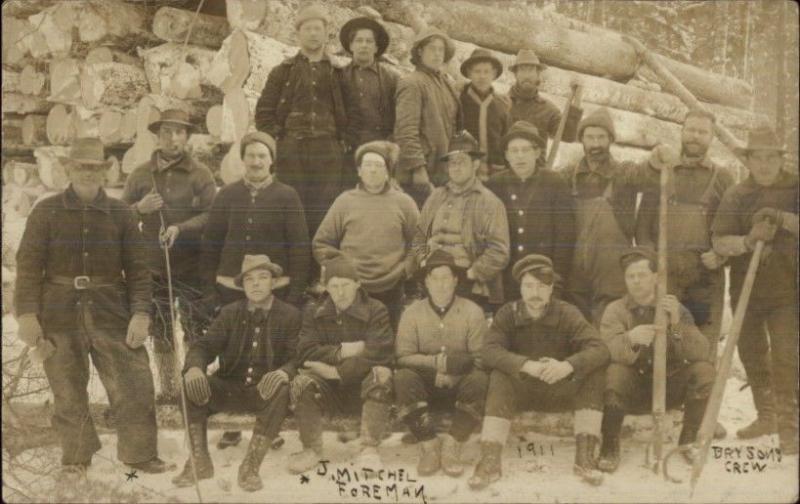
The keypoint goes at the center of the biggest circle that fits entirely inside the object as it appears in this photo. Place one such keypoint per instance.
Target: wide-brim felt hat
(172, 116)
(527, 57)
(463, 142)
(255, 262)
(763, 138)
(430, 32)
(86, 151)
(364, 23)
(481, 55)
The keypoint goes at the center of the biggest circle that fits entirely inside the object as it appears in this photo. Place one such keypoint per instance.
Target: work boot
(585, 465)
(198, 439)
(153, 466)
(305, 460)
(249, 480)
(451, 456)
(613, 417)
(430, 456)
(766, 423)
(229, 438)
(308, 413)
(693, 411)
(489, 468)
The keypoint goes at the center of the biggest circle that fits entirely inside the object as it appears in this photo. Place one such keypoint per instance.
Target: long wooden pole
(660, 341)
(574, 98)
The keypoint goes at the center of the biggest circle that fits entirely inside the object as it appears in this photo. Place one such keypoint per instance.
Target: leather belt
(84, 282)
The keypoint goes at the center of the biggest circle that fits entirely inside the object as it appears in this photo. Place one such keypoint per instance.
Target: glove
(458, 363)
(664, 156)
(30, 331)
(197, 388)
(271, 382)
(762, 230)
(138, 330)
(351, 349)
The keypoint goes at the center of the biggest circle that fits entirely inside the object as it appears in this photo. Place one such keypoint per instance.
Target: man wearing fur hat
(83, 289)
(172, 194)
(486, 114)
(374, 225)
(345, 350)
(437, 350)
(428, 114)
(255, 340)
(528, 105)
(307, 106)
(468, 221)
(538, 204)
(543, 355)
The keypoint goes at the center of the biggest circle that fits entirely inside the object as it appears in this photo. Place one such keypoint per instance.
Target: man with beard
(764, 207)
(538, 204)
(172, 194)
(543, 355)
(527, 105)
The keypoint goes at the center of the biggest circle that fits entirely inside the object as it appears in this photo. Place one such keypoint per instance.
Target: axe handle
(574, 97)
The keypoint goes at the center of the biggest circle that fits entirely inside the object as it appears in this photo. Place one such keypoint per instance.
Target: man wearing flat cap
(171, 195)
(486, 114)
(468, 221)
(528, 105)
(428, 114)
(438, 351)
(543, 355)
(255, 340)
(628, 329)
(83, 289)
(374, 225)
(345, 353)
(308, 108)
(538, 204)
(764, 207)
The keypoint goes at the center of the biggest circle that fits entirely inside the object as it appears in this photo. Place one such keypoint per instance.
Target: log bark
(10, 81)
(105, 54)
(34, 129)
(59, 125)
(65, 81)
(112, 22)
(31, 81)
(112, 84)
(172, 25)
(179, 71)
(18, 103)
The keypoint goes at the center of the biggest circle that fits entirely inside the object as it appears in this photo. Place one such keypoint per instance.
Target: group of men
(360, 182)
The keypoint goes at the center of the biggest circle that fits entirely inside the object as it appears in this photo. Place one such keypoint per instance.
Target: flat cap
(531, 262)
(634, 254)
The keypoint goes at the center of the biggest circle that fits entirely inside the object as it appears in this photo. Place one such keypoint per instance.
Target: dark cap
(529, 264)
(438, 258)
(463, 142)
(635, 254)
(340, 267)
(526, 130)
(364, 23)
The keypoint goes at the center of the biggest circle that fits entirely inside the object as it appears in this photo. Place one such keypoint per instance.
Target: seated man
(543, 355)
(628, 330)
(438, 344)
(345, 348)
(255, 340)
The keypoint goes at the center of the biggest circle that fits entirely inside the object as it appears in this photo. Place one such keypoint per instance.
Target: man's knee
(378, 385)
(304, 389)
(701, 379)
(500, 395)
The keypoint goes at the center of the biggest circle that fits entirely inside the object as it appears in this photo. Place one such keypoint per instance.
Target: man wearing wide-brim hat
(254, 339)
(171, 195)
(764, 207)
(467, 220)
(83, 289)
(528, 105)
(486, 114)
(428, 114)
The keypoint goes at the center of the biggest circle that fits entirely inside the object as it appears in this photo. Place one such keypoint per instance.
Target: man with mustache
(543, 355)
(528, 105)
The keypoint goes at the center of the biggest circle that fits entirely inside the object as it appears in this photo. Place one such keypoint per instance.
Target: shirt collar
(73, 202)
(258, 186)
(266, 306)
(474, 186)
(631, 305)
(160, 165)
(302, 56)
(358, 310)
(474, 92)
(517, 92)
(441, 312)
(523, 317)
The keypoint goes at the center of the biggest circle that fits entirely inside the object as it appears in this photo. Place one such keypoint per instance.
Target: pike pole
(574, 99)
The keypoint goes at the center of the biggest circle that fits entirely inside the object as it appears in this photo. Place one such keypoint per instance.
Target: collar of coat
(631, 304)
(518, 94)
(522, 317)
(475, 95)
(358, 310)
(73, 202)
(474, 186)
(290, 61)
(374, 66)
(607, 169)
(785, 180)
(183, 162)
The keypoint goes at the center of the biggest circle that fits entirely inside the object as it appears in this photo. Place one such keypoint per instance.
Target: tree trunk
(172, 25)
(31, 81)
(65, 81)
(104, 54)
(112, 84)
(17, 103)
(34, 129)
(181, 72)
(59, 125)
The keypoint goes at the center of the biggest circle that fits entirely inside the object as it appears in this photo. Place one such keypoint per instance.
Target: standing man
(695, 191)
(538, 205)
(437, 349)
(83, 287)
(172, 194)
(764, 207)
(628, 329)
(543, 355)
(374, 225)
(468, 221)
(255, 340)
(486, 114)
(346, 351)
(308, 108)
(428, 115)
(527, 105)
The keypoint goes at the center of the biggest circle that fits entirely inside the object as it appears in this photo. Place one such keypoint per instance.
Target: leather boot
(430, 456)
(451, 456)
(249, 480)
(489, 468)
(766, 423)
(308, 413)
(198, 439)
(585, 465)
(374, 422)
(693, 411)
(421, 425)
(153, 466)
(613, 418)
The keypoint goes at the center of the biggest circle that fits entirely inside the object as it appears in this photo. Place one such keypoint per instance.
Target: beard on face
(693, 149)
(597, 152)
